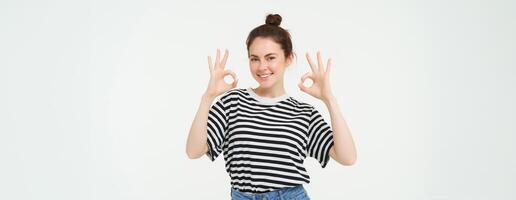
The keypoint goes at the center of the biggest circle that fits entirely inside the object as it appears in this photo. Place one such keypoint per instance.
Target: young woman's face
(267, 62)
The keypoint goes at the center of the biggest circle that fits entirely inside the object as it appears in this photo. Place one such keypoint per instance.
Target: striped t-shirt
(266, 140)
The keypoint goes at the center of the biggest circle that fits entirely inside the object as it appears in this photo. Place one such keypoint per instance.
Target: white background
(97, 97)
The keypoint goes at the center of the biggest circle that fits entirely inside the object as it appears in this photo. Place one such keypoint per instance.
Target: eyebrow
(269, 54)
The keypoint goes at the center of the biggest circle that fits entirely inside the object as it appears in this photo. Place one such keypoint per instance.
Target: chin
(266, 84)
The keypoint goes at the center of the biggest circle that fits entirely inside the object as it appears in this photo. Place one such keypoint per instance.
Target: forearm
(344, 146)
(196, 144)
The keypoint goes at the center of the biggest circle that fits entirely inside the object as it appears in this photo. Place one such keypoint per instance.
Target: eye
(271, 58)
(254, 59)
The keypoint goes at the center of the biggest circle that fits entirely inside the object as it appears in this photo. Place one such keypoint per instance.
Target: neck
(272, 92)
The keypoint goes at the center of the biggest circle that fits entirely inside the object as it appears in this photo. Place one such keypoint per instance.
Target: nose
(263, 65)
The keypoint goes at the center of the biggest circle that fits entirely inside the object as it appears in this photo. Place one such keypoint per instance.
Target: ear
(290, 59)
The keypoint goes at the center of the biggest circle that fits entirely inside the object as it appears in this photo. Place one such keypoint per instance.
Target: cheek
(253, 67)
(277, 67)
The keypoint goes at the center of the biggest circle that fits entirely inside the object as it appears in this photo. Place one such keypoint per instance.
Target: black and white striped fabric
(265, 141)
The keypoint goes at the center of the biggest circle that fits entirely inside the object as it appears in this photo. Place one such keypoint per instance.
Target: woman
(263, 133)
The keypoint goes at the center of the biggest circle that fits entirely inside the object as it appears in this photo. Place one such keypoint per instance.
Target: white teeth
(264, 75)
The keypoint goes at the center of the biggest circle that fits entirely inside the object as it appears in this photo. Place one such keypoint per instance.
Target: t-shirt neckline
(266, 100)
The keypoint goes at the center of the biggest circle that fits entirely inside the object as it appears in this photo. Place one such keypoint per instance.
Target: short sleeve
(216, 128)
(320, 138)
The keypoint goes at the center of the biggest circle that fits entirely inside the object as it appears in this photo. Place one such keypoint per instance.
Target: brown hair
(271, 29)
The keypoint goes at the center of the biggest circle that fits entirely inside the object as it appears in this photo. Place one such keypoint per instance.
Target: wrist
(329, 100)
(208, 97)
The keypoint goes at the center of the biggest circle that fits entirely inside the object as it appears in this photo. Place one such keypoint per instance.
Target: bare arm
(343, 150)
(196, 144)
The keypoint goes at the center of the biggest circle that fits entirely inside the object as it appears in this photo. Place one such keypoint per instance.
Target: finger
(302, 87)
(320, 62)
(312, 65)
(231, 73)
(217, 59)
(302, 83)
(226, 54)
(305, 76)
(210, 64)
(328, 69)
(235, 83)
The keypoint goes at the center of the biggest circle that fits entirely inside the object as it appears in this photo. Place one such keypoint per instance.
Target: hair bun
(273, 19)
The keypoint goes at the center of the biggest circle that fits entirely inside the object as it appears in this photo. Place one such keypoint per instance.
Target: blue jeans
(289, 193)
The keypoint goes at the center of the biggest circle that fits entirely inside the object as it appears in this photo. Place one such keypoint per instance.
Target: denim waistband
(280, 194)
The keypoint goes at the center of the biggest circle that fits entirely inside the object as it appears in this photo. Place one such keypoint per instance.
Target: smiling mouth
(264, 75)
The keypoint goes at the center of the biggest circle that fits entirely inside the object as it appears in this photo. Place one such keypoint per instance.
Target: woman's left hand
(320, 76)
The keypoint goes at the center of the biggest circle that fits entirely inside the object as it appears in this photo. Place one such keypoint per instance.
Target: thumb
(235, 83)
(302, 87)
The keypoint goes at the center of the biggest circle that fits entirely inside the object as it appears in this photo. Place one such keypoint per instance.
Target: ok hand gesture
(320, 76)
(217, 85)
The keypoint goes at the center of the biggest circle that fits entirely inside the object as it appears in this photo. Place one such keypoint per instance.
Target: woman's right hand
(217, 85)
